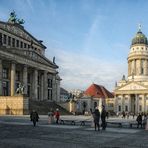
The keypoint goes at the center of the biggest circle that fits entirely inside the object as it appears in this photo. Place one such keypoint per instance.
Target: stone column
(25, 78)
(12, 82)
(1, 72)
(35, 85)
(42, 87)
(129, 103)
(137, 104)
(116, 104)
(45, 81)
(134, 67)
(144, 103)
(137, 66)
(123, 103)
(129, 68)
(54, 92)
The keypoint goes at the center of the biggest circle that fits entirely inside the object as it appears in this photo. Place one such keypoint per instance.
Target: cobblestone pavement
(20, 133)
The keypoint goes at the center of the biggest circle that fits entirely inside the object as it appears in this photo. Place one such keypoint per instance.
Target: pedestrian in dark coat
(34, 117)
(103, 118)
(96, 116)
(139, 120)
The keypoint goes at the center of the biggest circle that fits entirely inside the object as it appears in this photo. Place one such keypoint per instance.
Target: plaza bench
(115, 123)
(136, 124)
(72, 122)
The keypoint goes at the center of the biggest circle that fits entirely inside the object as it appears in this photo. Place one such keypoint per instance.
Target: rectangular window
(17, 43)
(5, 88)
(28, 91)
(9, 41)
(49, 94)
(17, 75)
(39, 82)
(140, 108)
(13, 42)
(126, 108)
(21, 44)
(50, 83)
(25, 45)
(142, 66)
(1, 42)
(28, 78)
(119, 108)
(5, 73)
(28, 46)
(5, 39)
(38, 93)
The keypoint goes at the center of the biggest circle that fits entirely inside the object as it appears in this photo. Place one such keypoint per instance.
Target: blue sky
(89, 38)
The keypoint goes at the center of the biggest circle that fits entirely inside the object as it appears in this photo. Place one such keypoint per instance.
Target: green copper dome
(140, 38)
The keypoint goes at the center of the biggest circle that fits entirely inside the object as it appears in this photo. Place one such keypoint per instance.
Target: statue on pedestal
(20, 89)
(13, 19)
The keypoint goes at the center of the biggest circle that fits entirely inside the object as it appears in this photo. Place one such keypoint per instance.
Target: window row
(7, 40)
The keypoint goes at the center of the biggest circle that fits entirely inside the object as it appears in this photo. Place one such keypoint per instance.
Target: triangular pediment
(132, 86)
(19, 30)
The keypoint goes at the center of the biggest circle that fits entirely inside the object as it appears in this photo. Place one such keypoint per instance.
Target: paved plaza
(19, 132)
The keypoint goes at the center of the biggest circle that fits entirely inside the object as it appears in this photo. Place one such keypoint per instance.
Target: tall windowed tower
(131, 93)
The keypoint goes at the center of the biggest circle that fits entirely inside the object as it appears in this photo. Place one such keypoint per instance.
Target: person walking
(57, 116)
(34, 117)
(139, 120)
(96, 116)
(103, 117)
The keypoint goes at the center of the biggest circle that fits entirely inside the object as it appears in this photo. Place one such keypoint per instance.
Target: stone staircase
(43, 107)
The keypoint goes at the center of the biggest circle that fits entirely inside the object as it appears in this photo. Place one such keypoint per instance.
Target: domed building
(131, 94)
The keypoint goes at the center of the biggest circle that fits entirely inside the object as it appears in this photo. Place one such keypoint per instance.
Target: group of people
(96, 117)
(53, 115)
(141, 118)
(34, 117)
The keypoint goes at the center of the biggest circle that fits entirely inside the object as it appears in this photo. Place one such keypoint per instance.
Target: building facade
(23, 61)
(95, 96)
(131, 94)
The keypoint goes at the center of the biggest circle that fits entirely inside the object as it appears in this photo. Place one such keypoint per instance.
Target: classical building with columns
(23, 61)
(131, 94)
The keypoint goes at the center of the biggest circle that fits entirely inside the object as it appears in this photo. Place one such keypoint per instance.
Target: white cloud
(80, 71)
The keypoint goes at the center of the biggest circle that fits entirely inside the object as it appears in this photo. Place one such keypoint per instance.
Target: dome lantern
(140, 38)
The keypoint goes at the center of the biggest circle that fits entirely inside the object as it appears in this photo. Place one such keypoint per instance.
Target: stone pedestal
(14, 105)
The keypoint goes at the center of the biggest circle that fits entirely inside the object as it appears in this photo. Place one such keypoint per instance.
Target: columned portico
(12, 83)
(24, 67)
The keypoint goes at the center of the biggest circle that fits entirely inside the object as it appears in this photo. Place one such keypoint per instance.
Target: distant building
(64, 95)
(131, 93)
(77, 93)
(95, 96)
